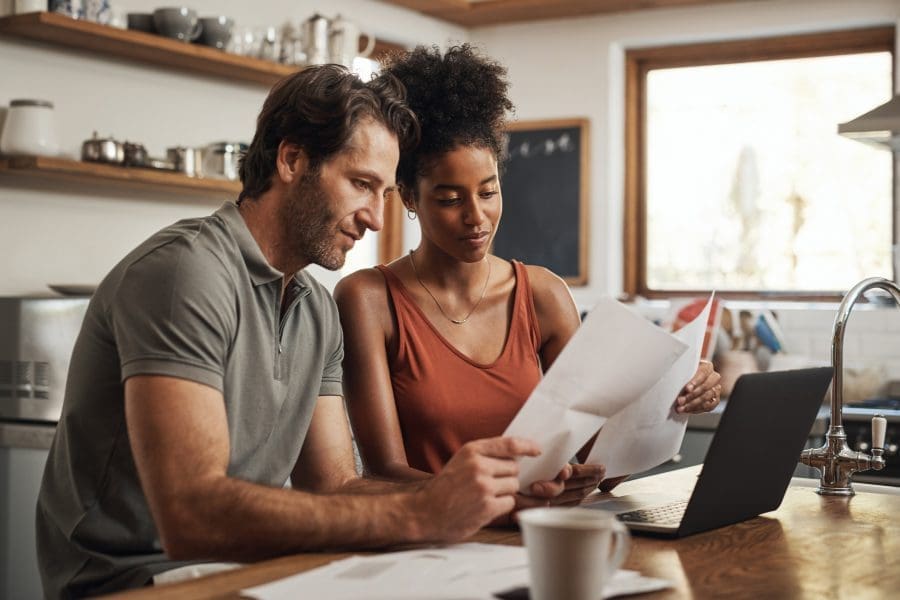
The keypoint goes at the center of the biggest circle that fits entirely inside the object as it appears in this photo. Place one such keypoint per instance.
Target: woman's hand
(608, 484)
(702, 393)
(583, 480)
(570, 487)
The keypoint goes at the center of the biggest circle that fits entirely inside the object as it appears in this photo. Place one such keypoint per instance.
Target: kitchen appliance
(343, 42)
(37, 335)
(30, 129)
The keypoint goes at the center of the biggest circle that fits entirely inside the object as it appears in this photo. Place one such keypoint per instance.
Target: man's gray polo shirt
(196, 301)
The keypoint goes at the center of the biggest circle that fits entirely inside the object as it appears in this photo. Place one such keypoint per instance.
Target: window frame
(640, 61)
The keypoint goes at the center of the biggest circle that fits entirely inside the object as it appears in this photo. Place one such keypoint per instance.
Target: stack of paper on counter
(621, 373)
(451, 572)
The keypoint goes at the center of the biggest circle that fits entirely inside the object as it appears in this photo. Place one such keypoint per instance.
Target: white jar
(30, 129)
(29, 6)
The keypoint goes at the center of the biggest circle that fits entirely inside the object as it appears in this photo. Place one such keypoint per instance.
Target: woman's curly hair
(460, 99)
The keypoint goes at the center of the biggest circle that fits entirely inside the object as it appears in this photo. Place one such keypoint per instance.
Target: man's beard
(310, 225)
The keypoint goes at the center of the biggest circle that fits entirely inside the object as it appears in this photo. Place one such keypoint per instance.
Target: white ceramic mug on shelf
(572, 552)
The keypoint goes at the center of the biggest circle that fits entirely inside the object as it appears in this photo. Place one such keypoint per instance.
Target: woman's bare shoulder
(547, 288)
(365, 285)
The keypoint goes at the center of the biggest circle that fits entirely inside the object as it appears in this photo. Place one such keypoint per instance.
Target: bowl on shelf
(215, 31)
(179, 23)
(141, 22)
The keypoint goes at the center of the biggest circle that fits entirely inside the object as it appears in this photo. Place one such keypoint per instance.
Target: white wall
(576, 68)
(52, 233)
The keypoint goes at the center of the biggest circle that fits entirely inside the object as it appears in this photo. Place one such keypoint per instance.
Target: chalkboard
(545, 197)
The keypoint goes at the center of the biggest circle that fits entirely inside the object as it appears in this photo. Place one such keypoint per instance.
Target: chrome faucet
(835, 459)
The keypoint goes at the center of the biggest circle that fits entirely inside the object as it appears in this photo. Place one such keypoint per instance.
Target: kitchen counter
(812, 546)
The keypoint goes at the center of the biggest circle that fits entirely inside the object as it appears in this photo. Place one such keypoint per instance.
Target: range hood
(879, 127)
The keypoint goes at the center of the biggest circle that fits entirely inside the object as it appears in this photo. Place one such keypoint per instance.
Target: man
(208, 372)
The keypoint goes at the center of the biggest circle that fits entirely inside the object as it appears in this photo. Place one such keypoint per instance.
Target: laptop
(750, 461)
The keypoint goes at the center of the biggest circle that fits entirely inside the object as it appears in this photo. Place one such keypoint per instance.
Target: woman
(445, 344)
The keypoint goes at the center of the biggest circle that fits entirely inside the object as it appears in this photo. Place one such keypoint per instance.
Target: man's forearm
(237, 520)
(381, 485)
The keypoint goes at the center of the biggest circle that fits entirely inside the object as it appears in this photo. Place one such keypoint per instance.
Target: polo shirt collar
(261, 272)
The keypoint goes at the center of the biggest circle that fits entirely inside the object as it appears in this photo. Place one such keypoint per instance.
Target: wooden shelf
(479, 13)
(61, 169)
(59, 29)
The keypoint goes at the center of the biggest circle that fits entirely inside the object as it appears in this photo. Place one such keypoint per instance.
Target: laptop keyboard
(667, 514)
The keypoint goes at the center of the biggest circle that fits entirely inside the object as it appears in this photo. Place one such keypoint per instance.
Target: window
(736, 178)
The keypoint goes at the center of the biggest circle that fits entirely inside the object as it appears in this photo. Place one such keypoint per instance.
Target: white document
(617, 363)
(648, 431)
(461, 571)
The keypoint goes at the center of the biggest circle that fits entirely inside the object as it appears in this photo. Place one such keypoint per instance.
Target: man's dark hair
(460, 99)
(318, 109)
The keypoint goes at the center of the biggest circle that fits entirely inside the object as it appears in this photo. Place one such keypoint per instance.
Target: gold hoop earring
(410, 214)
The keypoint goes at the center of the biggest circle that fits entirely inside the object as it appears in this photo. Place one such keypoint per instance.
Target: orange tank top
(444, 399)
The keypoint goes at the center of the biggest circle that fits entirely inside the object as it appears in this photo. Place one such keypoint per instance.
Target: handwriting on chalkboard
(562, 142)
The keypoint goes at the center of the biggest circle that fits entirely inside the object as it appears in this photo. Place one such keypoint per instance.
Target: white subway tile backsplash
(866, 321)
(820, 346)
(878, 345)
(796, 342)
(892, 367)
(811, 320)
(892, 319)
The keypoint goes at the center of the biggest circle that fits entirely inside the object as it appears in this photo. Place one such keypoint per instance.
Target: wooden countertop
(811, 547)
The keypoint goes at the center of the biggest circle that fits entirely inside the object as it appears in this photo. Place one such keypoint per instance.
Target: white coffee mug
(572, 552)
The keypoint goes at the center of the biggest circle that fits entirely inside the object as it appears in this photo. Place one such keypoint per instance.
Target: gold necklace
(438, 304)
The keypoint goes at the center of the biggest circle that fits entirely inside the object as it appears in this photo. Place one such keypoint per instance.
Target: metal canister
(221, 159)
(315, 39)
(186, 160)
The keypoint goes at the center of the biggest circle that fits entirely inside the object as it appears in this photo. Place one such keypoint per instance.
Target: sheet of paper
(451, 572)
(648, 431)
(615, 357)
